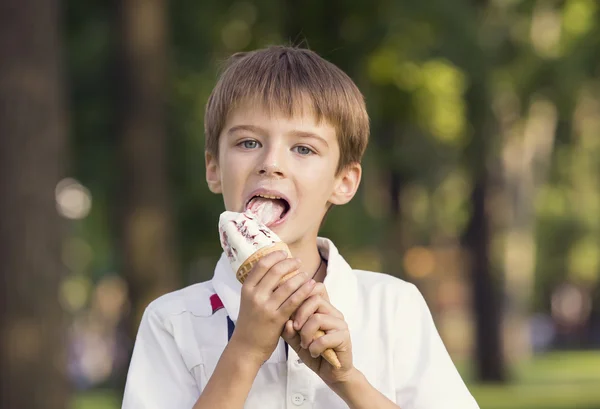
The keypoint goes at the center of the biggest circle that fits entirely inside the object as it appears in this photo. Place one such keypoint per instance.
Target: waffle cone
(329, 355)
(251, 261)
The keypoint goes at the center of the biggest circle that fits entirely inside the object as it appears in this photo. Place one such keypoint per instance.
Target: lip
(271, 192)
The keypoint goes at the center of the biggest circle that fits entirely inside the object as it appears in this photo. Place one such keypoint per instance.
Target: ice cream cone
(251, 261)
(329, 355)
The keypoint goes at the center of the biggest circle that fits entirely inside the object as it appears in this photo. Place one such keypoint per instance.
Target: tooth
(269, 196)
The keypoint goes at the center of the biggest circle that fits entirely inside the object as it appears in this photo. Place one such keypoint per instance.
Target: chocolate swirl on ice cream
(243, 234)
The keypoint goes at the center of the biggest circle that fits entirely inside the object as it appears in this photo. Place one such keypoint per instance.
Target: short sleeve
(158, 377)
(433, 381)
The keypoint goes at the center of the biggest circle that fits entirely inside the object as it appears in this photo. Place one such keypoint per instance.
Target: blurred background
(481, 181)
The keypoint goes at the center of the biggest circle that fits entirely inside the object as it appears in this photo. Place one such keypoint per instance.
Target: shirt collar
(340, 282)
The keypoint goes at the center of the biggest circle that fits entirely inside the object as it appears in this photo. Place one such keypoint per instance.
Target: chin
(285, 233)
(292, 235)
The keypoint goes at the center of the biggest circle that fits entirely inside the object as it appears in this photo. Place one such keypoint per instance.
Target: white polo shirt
(394, 341)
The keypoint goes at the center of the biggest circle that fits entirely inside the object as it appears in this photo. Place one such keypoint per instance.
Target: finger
(336, 340)
(271, 279)
(317, 322)
(264, 264)
(285, 290)
(314, 304)
(292, 337)
(293, 300)
(320, 289)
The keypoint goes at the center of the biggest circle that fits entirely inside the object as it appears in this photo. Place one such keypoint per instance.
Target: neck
(311, 259)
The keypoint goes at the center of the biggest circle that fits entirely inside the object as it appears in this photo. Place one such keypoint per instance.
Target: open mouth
(270, 209)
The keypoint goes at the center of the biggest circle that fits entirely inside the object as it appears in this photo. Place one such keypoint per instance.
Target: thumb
(290, 335)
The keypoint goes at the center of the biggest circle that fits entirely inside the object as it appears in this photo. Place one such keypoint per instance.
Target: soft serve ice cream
(243, 234)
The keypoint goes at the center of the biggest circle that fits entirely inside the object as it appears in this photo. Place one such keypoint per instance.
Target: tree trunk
(33, 138)
(476, 239)
(147, 248)
(395, 241)
(486, 308)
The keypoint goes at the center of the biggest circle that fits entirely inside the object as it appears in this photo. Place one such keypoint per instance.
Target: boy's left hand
(299, 332)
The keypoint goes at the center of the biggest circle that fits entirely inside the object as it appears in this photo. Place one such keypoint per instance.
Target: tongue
(267, 210)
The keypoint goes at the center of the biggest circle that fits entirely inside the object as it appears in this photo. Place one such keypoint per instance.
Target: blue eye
(304, 150)
(250, 144)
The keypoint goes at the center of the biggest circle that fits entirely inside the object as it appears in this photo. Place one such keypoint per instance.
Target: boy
(283, 124)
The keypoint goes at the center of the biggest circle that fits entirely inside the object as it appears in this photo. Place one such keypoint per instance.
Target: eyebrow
(305, 134)
(249, 128)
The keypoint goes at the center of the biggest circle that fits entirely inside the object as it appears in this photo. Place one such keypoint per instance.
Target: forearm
(358, 393)
(231, 381)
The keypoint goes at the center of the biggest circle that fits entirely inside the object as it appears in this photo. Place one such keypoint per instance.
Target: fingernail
(312, 282)
(296, 325)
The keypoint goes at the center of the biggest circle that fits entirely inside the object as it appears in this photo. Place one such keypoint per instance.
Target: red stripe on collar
(216, 303)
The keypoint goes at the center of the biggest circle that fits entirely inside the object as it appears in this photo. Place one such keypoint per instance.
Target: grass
(538, 397)
(97, 399)
(565, 380)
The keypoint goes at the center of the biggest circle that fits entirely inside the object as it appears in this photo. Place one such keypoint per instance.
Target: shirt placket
(299, 393)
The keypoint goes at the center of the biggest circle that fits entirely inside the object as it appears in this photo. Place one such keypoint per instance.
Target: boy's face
(293, 158)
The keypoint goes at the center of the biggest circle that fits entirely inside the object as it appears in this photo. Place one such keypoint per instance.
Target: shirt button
(297, 399)
(299, 361)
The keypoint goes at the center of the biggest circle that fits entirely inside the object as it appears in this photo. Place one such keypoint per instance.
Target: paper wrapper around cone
(251, 261)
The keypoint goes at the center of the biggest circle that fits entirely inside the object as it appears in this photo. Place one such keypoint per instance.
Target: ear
(346, 184)
(213, 172)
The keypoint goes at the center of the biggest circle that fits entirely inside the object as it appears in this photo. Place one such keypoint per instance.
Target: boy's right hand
(265, 308)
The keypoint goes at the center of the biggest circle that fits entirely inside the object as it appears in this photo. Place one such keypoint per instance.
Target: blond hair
(282, 79)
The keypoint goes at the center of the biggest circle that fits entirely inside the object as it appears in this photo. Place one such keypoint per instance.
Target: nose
(271, 164)
(270, 170)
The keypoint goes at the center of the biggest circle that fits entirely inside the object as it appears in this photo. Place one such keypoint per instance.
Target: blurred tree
(434, 60)
(477, 236)
(146, 238)
(33, 148)
(477, 240)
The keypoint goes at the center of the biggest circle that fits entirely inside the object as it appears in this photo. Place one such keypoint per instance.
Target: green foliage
(415, 62)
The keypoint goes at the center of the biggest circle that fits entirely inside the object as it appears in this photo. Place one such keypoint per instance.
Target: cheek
(234, 169)
(232, 181)
(318, 188)
(320, 170)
